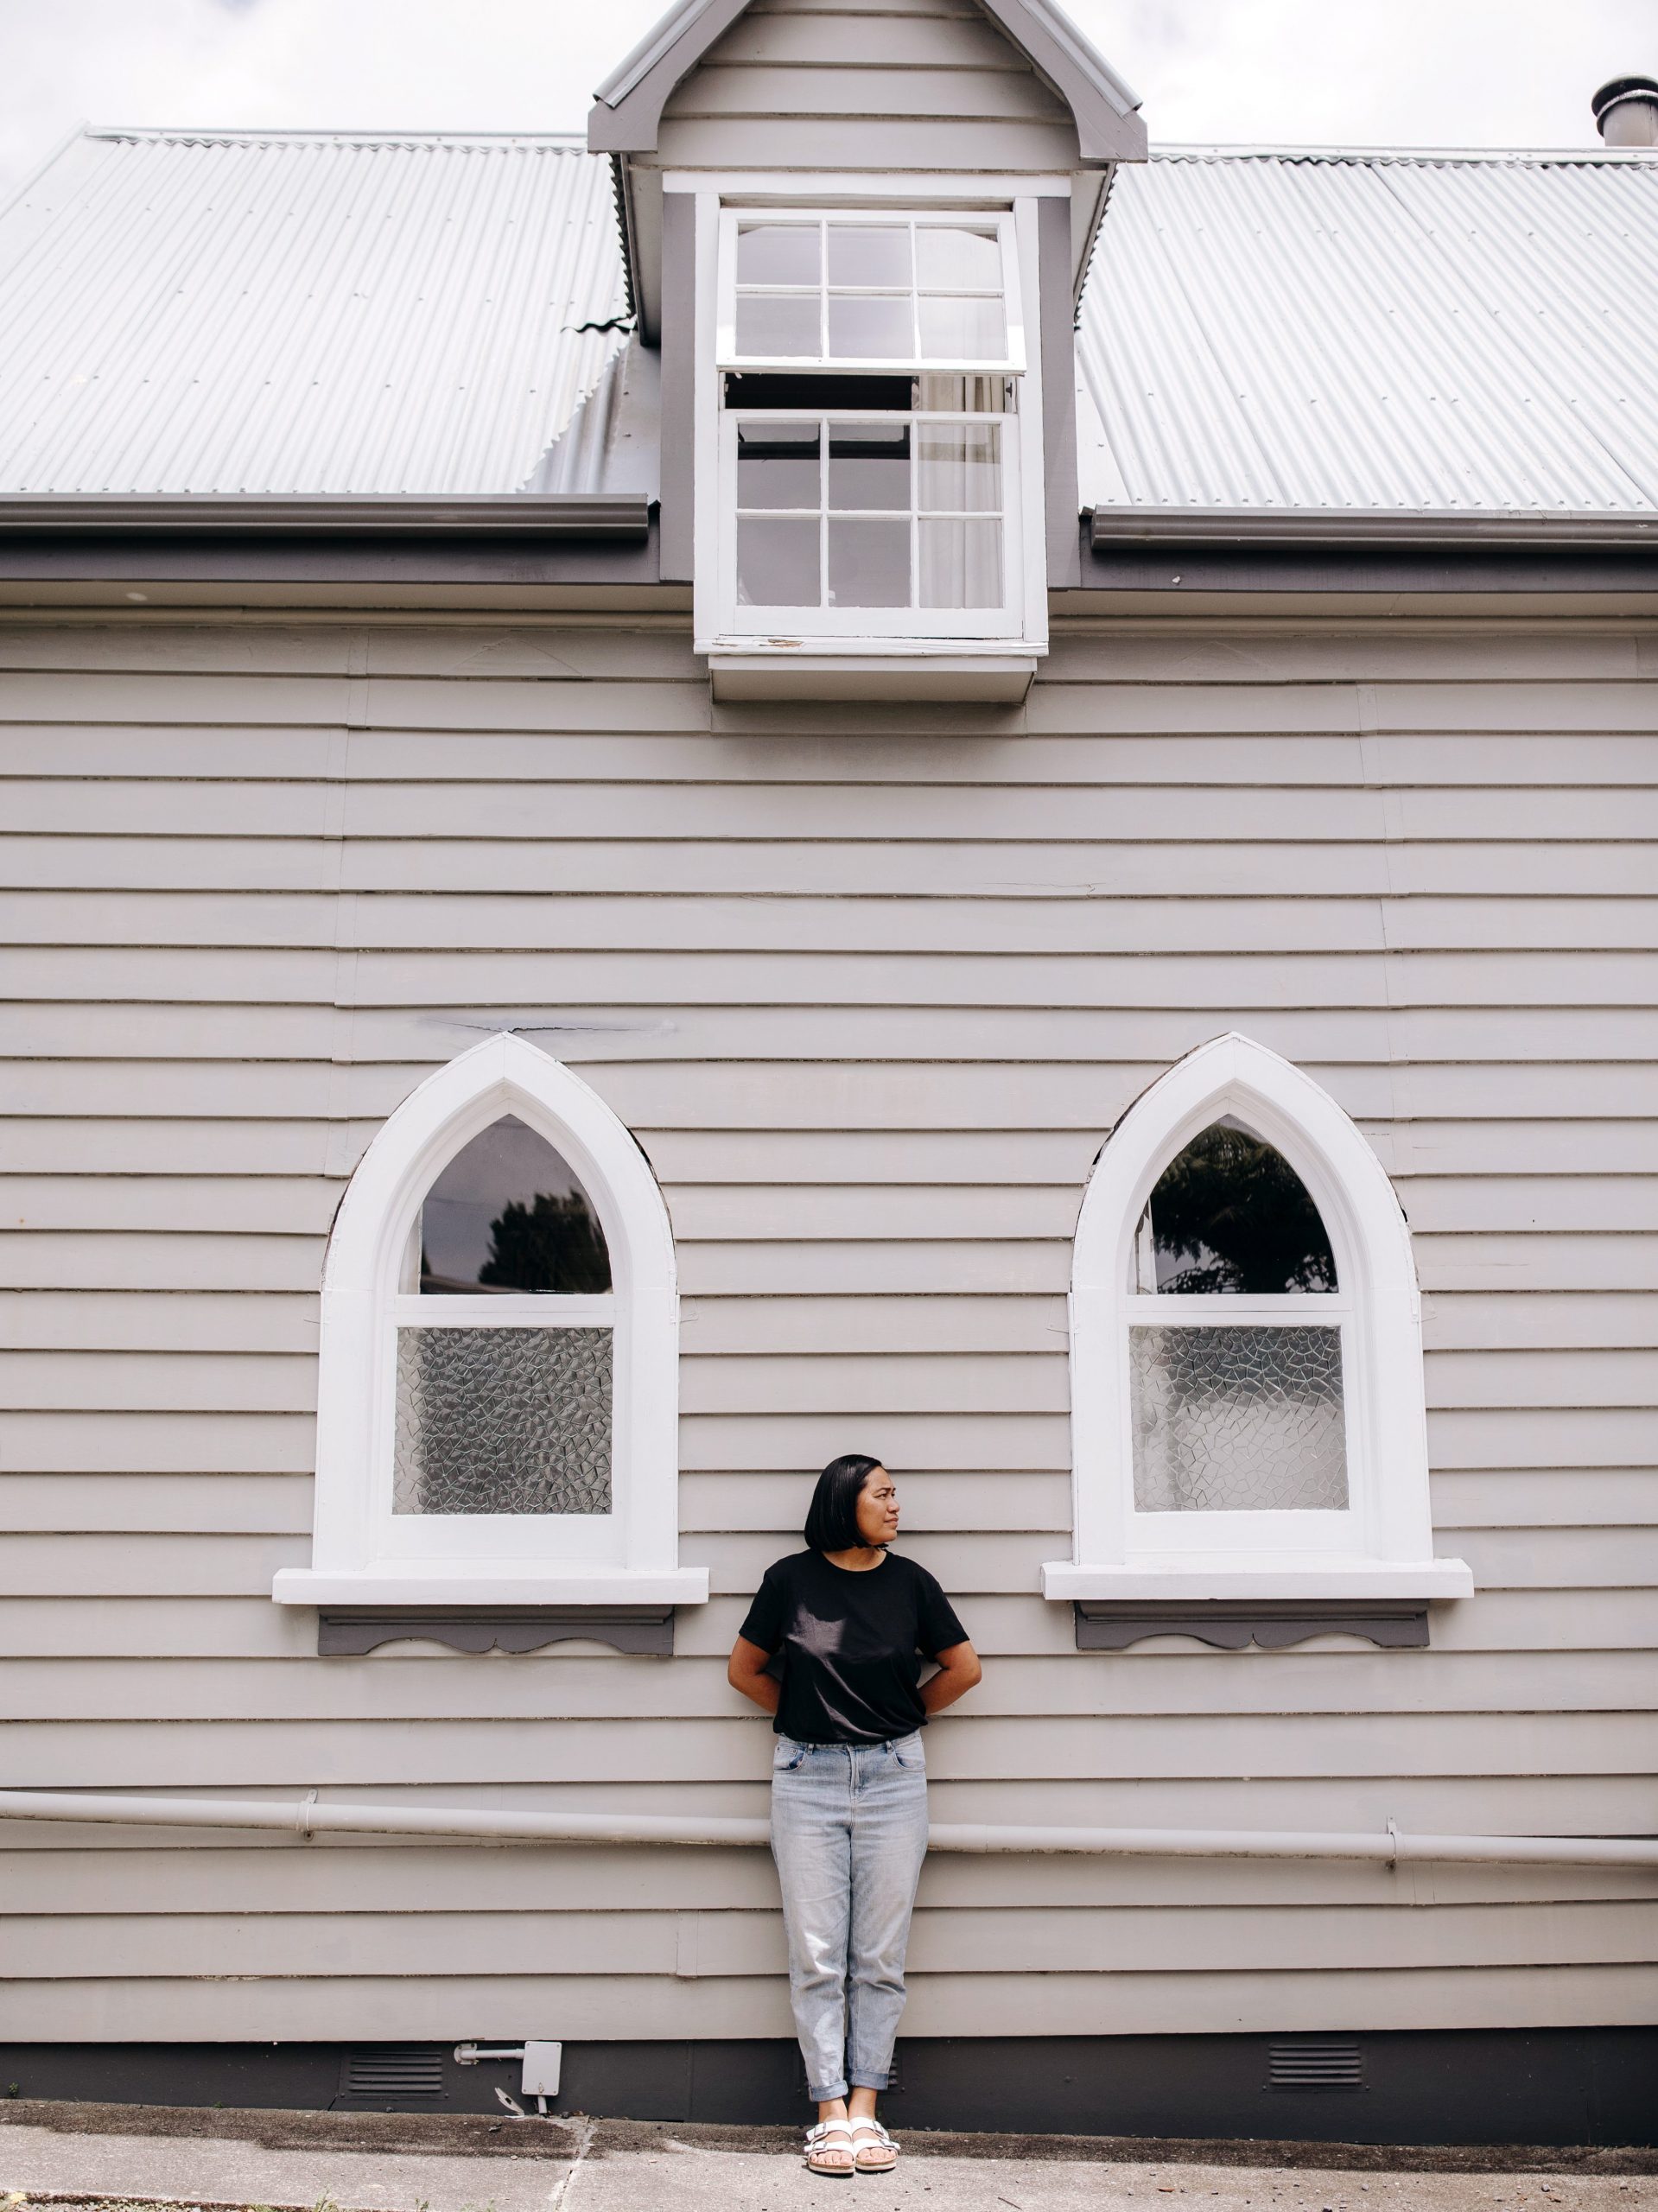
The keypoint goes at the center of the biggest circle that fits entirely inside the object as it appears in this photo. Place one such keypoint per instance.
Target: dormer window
(870, 498)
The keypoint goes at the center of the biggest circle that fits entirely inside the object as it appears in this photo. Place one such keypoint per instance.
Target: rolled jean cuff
(822, 2097)
(869, 2080)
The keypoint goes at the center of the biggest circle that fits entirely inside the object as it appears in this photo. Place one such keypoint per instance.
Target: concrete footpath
(122, 2157)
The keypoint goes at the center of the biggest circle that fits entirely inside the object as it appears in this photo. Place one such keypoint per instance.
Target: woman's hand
(958, 1672)
(747, 1672)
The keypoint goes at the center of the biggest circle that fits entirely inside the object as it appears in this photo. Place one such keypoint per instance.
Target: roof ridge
(1511, 157)
(256, 133)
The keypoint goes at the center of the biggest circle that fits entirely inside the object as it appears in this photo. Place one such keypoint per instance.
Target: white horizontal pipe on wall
(311, 1818)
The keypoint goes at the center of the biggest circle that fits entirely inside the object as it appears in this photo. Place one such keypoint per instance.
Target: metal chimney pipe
(1626, 112)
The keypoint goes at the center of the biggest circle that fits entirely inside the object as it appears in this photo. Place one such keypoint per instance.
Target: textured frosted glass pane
(1238, 1421)
(868, 563)
(961, 469)
(962, 330)
(777, 465)
(777, 564)
(947, 258)
(779, 253)
(874, 255)
(778, 325)
(870, 330)
(503, 1421)
(509, 1214)
(869, 465)
(961, 564)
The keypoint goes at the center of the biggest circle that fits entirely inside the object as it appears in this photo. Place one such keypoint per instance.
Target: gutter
(1245, 526)
(310, 1818)
(616, 515)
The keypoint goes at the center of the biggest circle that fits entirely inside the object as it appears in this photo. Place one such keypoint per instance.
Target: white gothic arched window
(1246, 1397)
(497, 1393)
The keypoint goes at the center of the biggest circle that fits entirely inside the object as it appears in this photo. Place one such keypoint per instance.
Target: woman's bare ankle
(832, 2108)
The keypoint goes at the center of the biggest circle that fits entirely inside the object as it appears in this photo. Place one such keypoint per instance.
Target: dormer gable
(857, 230)
(968, 86)
(905, 35)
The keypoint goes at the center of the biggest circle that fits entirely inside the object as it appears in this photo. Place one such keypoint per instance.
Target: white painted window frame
(363, 1554)
(1382, 1545)
(880, 626)
(1019, 627)
(1011, 295)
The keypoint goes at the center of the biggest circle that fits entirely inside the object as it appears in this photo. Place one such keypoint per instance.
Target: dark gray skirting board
(1479, 2086)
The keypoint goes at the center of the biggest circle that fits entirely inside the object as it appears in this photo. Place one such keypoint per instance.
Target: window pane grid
(869, 290)
(951, 554)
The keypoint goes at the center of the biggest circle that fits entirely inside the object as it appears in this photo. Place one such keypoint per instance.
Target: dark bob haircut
(832, 1523)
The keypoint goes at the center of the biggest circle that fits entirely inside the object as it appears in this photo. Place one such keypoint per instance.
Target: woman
(832, 1647)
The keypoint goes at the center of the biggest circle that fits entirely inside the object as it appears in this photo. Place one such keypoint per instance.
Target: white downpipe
(311, 1818)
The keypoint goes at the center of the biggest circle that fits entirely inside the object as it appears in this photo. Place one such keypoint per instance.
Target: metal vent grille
(393, 2069)
(1316, 2062)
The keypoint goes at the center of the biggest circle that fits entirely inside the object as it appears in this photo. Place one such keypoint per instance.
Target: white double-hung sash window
(877, 465)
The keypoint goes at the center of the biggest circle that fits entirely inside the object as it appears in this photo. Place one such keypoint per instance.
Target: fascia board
(1105, 109)
(627, 114)
(615, 515)
(1242, 526)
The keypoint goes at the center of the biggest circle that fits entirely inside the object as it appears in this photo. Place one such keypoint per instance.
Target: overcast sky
(1362, 73)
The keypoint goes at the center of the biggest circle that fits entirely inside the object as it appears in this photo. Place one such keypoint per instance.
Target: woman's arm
(958, 1672)
(747, 1672)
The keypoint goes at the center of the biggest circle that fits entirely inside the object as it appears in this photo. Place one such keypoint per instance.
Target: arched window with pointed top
(1246, 1398)
(497, 1392)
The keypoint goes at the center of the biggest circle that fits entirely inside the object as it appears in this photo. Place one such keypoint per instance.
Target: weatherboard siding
(803, 84)
(871, 993)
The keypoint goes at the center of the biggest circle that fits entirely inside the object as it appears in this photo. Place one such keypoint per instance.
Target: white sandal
(881, 2143)
(817, 2143)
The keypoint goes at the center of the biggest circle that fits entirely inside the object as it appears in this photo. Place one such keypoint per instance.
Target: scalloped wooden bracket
(1231, 1624)
(648, 1629)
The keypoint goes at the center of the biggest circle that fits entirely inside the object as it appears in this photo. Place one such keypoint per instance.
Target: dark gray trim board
(498, 1628)
(1488, 2086)
(205, 557)
(1056, 318)
(1269, 568)
(551, 514)
(1229, 1624)
(1251, 527)
(679, 365)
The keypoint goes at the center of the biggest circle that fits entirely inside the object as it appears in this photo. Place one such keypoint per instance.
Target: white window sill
(1001, 679)
(407, 1585)
(1193, 1579)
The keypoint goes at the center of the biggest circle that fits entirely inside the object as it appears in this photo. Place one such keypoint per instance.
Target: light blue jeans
(848, 1834)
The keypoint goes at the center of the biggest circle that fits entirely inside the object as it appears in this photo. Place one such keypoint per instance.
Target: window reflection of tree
(552, 1244)
(1230, 1214)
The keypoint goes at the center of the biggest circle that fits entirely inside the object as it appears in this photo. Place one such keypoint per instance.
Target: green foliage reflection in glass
(509, 1214)
(1229, 1213)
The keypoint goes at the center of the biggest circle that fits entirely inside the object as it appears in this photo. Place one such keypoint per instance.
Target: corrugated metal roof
(1387, 333)
(1263, 334)
(301, 312)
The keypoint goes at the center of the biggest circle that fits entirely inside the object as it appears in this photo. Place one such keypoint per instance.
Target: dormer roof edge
(627, 115)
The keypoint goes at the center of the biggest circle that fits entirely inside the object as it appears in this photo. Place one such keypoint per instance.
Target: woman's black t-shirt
(850, 1645)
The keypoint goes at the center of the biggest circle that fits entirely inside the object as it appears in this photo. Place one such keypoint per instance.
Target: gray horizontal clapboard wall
(871, 991)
